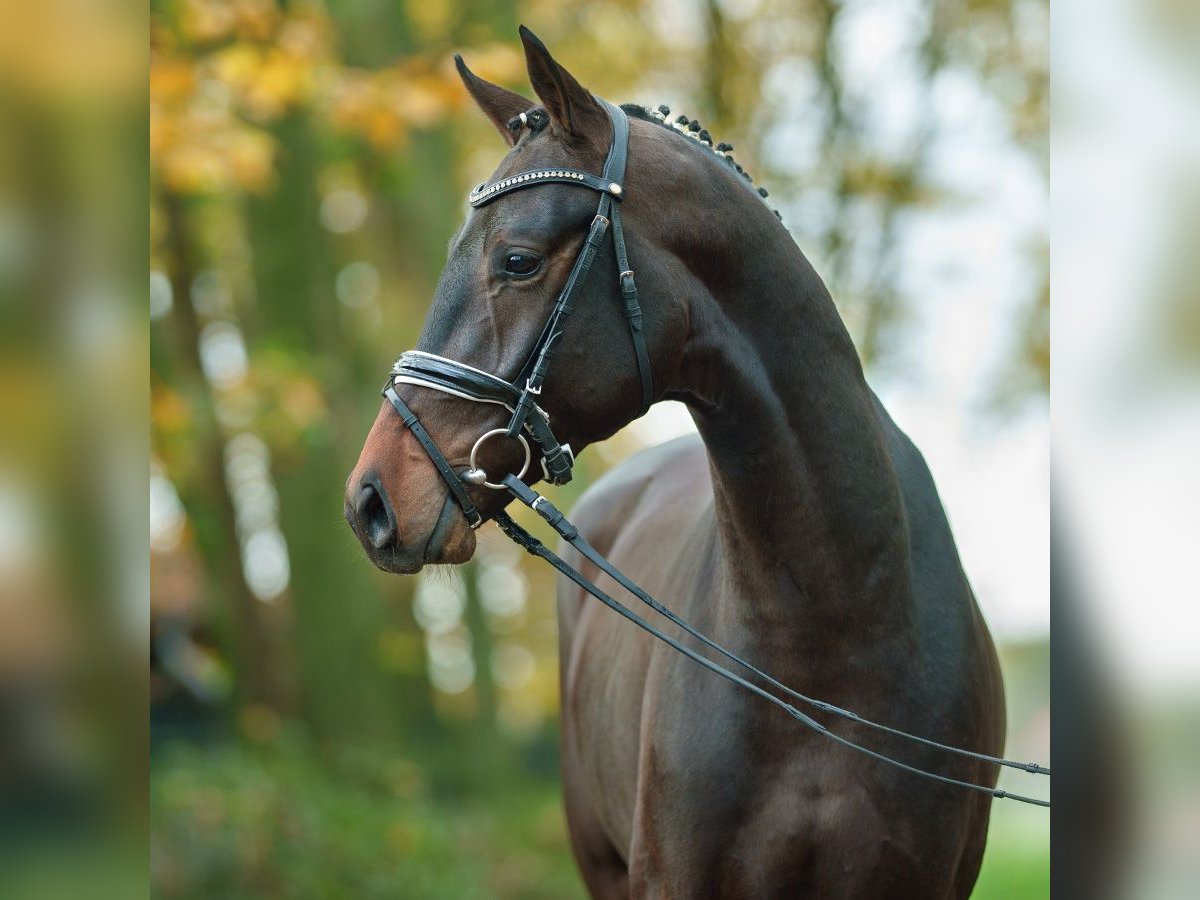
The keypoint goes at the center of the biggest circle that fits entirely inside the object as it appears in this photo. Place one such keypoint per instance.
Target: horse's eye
(522, 265)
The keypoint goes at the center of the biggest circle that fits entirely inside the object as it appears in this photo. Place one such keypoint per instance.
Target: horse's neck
(808, 503)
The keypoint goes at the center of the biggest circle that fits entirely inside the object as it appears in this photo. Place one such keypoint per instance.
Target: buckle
(566, 453)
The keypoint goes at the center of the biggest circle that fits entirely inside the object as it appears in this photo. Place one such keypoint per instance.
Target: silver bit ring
(483, 439)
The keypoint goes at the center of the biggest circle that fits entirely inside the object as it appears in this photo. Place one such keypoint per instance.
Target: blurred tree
(268, 155)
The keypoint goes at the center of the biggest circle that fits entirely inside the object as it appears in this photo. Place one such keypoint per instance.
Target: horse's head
(507, 266)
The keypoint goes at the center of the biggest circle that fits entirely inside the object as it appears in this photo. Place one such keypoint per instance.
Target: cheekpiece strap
(409, 418)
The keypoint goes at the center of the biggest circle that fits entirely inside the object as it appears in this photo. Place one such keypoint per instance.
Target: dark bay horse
(801, 529)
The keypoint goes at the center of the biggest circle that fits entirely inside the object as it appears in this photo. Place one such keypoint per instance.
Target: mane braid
(534, 119)
(694, 131)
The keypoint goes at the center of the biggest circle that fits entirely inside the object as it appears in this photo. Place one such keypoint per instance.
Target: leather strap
(618, 155)
(618, 150)
(486, 193)
(633, 313)
(413, 424)
(425, 368)
(535, 374)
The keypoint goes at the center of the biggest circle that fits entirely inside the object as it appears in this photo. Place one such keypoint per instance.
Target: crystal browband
(486, 192)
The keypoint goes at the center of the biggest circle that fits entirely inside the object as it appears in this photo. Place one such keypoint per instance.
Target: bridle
(530, 422)
(519, 396)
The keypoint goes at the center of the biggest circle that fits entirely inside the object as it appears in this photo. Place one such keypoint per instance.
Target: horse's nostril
(373, 516)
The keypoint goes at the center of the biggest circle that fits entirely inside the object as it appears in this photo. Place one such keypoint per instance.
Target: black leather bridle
(529, 421)
(519, 396)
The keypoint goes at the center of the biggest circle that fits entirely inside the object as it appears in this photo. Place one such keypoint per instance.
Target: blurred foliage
(72, 557)
(308, 162)
(274, 820)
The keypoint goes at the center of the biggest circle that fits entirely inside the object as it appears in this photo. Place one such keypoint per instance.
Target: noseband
(530, 422)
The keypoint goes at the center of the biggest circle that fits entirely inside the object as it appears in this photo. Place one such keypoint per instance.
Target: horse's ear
(573, 111)
(498, 104)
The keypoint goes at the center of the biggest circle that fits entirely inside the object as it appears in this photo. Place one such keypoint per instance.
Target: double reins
(530, 422)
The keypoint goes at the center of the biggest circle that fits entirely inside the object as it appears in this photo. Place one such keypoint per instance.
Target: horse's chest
(661, 745)
(619, 703)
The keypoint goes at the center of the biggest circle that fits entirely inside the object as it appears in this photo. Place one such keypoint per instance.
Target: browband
(486, 193)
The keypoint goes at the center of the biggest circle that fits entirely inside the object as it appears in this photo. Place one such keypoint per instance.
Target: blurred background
(319, 728)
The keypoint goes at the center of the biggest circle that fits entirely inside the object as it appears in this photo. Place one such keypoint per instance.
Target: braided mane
(536, 119)
(692, 129)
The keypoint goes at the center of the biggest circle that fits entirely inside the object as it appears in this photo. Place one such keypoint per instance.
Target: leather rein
(530, 423)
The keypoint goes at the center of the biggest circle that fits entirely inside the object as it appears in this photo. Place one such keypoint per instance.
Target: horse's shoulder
(653, 478)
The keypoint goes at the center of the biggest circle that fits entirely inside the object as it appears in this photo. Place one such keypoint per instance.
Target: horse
(799, 527)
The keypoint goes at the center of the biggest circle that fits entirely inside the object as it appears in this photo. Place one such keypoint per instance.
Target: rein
(529, 422)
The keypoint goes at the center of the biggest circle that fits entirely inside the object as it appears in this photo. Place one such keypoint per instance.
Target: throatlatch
(529, 422)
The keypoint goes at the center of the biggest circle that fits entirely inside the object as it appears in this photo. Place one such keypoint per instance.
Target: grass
(1016, 865)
